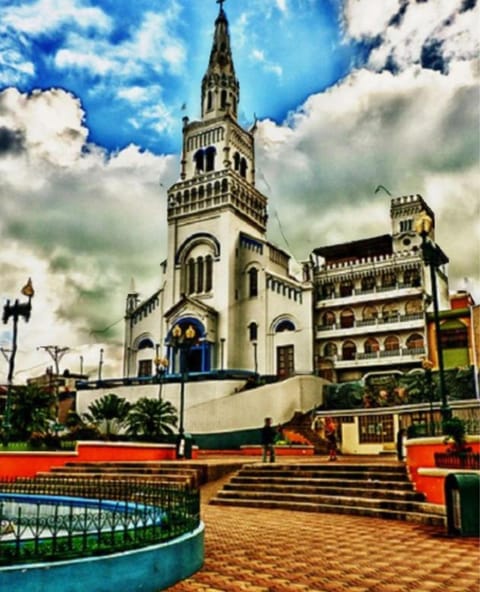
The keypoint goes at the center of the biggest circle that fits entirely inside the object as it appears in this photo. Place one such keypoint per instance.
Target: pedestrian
(331, 437)
(401, 434)
(268, 437)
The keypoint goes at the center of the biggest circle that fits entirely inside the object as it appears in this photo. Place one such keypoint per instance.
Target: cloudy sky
(348, 95)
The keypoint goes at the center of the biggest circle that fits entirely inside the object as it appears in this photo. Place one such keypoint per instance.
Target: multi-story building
(372, 296)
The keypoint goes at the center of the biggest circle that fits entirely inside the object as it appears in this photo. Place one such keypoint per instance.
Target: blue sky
(348, 94)
(135, 67)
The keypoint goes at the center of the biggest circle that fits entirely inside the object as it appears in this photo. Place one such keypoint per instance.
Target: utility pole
(56, 353)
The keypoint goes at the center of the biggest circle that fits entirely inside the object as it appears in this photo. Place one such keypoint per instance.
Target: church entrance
(197, 357)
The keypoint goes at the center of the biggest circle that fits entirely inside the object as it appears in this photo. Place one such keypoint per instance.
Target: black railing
(53, 519)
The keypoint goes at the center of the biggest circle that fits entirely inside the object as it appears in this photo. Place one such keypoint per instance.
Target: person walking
(331, 437)
(268, 437)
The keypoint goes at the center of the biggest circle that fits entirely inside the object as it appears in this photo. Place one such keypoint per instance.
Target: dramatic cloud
(78, 221)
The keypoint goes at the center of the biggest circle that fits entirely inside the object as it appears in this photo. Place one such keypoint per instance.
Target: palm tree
(108, 413)
(151, 418)
(32, 411)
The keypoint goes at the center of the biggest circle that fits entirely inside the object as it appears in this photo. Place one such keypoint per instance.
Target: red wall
(27, 464)
(420, 455)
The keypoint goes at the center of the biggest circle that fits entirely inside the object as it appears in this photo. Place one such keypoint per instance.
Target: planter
(457, 460)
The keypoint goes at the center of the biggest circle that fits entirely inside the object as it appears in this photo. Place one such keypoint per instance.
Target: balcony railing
(334, 294)
(405, 354)
(371, 322)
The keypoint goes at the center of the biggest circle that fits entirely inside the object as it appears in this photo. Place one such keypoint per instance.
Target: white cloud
(408, 28)
(45, 15)
(416, 132)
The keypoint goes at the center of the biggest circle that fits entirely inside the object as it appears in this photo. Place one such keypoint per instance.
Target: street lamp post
(160, 365)
(427, 365)
(434, 258)
(15, 311)
(182, 341)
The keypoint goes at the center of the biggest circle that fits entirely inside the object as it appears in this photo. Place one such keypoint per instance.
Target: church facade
(359, 308)
(221, 277)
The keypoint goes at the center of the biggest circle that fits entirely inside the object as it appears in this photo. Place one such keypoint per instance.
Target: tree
(108, 414)
(152, 418)
(32, 411)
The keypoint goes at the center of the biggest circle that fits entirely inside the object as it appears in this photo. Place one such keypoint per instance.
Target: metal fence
(53, 519)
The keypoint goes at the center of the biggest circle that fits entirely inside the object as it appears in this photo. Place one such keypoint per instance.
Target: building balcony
(379, 358)
(391, 324)
(376, 294)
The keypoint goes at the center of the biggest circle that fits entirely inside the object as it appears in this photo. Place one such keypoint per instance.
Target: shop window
(456, 338)
(375, 429)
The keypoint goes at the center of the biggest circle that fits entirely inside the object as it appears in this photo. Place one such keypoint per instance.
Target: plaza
(260, 550)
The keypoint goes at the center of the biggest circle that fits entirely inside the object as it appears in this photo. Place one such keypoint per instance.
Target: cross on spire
(221, 3)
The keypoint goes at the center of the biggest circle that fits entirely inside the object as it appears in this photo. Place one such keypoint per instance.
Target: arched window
(391, 343)
(349, 350)
(413, 307)
(243, 167)
(208, 273)
(253, 282)
(347, 318)
(210, 158)
(145, 343)
(369, 312)
(328, 318)
(371, 346)
(390, 312)
(330, 350)
(253, 331)
(346, 288)
(389, 280)
(236, 161)
(198, 158)
(191, 276)
(200, 277)
(411, 277)
(368, 283)
(223, 99)
(284, 326)
(415, 341)
(209, 100)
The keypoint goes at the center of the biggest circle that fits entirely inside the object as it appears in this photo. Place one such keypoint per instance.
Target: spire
(220, 87)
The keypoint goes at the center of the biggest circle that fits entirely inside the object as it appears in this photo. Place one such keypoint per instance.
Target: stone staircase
(168, 473)
(377, 490)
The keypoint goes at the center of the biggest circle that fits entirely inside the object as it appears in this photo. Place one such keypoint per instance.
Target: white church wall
(247, 409)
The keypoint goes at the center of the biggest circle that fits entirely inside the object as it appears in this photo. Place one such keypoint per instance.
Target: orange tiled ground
(282, 551)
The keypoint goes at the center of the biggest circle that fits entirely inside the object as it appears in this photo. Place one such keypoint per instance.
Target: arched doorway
(198, 354)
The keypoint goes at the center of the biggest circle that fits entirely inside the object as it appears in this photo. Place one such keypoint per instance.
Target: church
(222, 277)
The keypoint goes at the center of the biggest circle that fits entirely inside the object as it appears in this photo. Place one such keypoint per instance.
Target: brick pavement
(257, 550)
